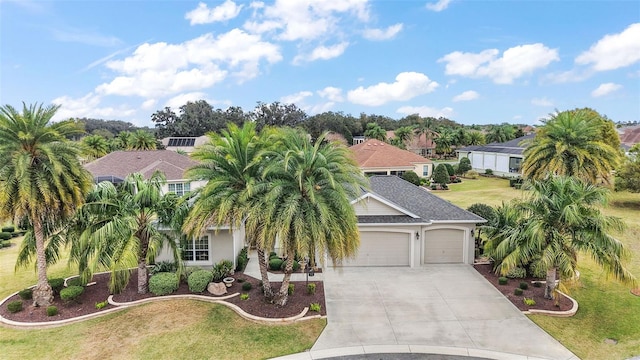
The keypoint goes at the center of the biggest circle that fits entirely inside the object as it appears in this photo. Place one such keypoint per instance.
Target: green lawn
(607, 309)
(166, 330)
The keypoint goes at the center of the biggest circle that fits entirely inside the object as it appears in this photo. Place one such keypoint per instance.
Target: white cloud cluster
(426, 111)
(88, 106)
(613, 51)
(605, 89)
(382, 34)
(439, 5)
(322, 53)
(466, 96)
(544, 102)
(331, 93)
(514, 63)
(296, 98)
(162, 69)
(203, 15)
(407, 86)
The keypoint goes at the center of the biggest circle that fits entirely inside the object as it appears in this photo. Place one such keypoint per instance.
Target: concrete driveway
(433, 306)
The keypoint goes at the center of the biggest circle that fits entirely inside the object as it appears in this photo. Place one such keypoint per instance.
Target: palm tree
(425, 126)
(142, 140)
(500, 133)
(42, 179)
(231, 165)
(95, 146)
(560, 219)
(476, 138)
(307, 207)
(571, 143)
(119, 228)
(374, 131)
(444, 141)
(401, 136)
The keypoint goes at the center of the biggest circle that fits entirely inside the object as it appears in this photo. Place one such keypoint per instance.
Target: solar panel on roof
(182, 142)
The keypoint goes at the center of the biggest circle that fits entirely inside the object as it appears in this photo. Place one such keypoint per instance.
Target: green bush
(311, 289)
(472, 174)
(198, 280)
(412, 177)
(244, 296)
(290, 289)
(450, 170)
(14, 306)
(15, 234)
(440, 174)
(315, 307)
(296, 265)
(243, 259)
(5, 235)
(272, 254)
(163, 266)
(537, 272)
(464, 165)
(4, 244)
(502, 280)
(529, 302)
(517, 291)
(488, 171)
(537, 284)
(71, 293)
(163, 283)
(524, 285)
(517, 273)
(275, 264)
(26, 294)
(221, 270)
(246, 286)
(75, 281)
(56, 284)
(8, 229)
(102, 304)
(52, 310)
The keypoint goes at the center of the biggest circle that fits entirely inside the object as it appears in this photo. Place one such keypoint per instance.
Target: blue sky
(475, 62)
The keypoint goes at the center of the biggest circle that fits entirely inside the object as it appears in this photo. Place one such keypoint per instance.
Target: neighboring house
(333, 136)
(629, 135)
(376, 157)
(183, 144)
(358, 139)
(405, 225)
(205, 250)
(502, 158)
(418, 144)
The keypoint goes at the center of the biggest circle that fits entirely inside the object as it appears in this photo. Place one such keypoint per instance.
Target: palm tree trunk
(283, 295)
(42, 294)
(142, 277)
(264, 274)
(550, 283)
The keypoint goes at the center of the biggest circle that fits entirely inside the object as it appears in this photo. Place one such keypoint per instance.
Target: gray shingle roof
(509, 147)
(419, 201)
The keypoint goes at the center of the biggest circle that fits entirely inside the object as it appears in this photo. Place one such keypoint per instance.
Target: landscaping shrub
(243, 259)
(488, 172)
(75, 281)
(290, 289)
(440, 174)
(411, 177)
(244, 296)
(483, 210)
(311, 289)
(434, 187)
(163, 283)
(472, 174)
(296, 265)
(246, 286)
(102, 304)
(538, 273)
(315, 307)
(517, 291)
(14, 306)
(5, 235)
(529, 302)
(15, 234)
(52, 310)
(26, 294)
(517, 273)
(272, 254)
(4, 244)
(163, 266)
(221, 270)
(198, 280)
(56, 284)
(502, 280)
(71, 293)
(464, 165)
(8, 229)
(275, 264)
(524, 285)
(450, 170)
(537, 284)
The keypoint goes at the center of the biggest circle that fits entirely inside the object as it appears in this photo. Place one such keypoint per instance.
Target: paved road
(449, 306)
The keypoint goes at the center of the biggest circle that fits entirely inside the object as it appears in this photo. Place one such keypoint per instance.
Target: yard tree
(411, 177)
(42, 179)
(374, 131)
(561, 218)
(444, 141)
(94, 146)
(426, 127)
(231, 164)
(476, 138)
(572, 143)
(441, 175)
(500, 133)
(142, 140)
(307, 206)
(277, 114)
(117, 228)
(464, 165)
(628, 175)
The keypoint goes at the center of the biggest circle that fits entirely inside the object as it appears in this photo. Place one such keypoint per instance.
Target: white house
(502, 158)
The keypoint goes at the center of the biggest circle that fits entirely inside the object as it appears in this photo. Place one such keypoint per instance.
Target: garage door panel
(381, 249)
(444, 246)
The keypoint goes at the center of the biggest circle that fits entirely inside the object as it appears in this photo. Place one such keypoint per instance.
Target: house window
(180, 188)
(515, 164)
(397, 173)
(196, 249)
(425, 170)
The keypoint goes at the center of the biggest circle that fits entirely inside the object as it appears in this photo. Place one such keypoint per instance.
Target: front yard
(608, 312)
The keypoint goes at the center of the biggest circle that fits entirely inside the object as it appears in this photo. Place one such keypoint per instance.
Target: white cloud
(426, 111)
(322, 53)
(604, 89)
(179, 100)
(296, 98)
(573, 75)
(407, 86)
(149, 104)
(334, 94)
(88, 106)
(84, 36)
(541, 102)
(517, 117)
(438, 6)
(466, 96)
(514, 63)
(203, 15)
(613, 51)
(162, 69)
(382, 34)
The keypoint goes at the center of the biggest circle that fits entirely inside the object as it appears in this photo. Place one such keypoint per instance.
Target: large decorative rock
(217, 289)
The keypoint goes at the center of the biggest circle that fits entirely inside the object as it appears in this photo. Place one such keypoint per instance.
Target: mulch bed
(535, 293)
(255, 305)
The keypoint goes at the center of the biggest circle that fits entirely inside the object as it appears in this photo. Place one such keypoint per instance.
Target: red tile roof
(376, 154)
(122, 163)
(630, 136)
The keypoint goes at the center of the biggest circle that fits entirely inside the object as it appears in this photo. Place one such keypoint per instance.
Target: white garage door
(381, 249)
(443, 246)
